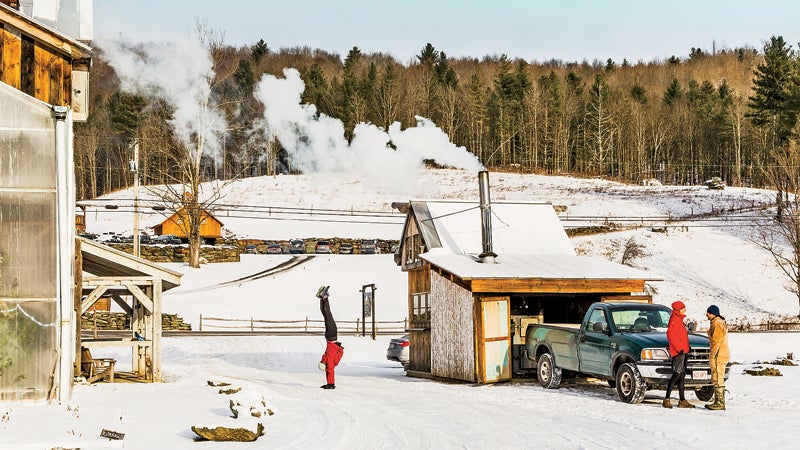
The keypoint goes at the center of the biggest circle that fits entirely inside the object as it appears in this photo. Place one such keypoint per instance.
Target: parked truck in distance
(623, 343)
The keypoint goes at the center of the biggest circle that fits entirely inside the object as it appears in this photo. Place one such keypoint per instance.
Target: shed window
(421, 313)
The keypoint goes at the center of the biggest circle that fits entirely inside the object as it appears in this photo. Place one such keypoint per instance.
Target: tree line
(729, 113)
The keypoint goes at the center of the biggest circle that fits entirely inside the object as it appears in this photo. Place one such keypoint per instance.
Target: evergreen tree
(776, 89)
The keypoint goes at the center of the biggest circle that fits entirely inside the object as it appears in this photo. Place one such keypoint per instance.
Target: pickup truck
(623, 343)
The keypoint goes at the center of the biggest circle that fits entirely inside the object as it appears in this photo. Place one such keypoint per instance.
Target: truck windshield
(637, 319)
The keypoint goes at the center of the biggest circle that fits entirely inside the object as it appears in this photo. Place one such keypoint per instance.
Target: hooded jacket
(677, 335)
(331, 357)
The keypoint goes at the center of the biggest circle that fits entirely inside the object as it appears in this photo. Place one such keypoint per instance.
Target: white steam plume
(316, 143)
(180, 73)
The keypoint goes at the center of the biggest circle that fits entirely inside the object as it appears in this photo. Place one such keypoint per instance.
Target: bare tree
(201, 128)
(780, 234)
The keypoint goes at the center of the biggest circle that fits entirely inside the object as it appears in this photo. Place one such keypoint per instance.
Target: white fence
(302, 326)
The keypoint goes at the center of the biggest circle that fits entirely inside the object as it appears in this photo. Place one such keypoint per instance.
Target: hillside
(701, 260)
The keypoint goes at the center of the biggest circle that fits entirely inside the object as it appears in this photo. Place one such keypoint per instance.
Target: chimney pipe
(487, 256)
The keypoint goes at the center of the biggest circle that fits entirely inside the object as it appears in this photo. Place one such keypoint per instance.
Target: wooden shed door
(494, 340)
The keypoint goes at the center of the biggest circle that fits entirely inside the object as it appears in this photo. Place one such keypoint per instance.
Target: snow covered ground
(374, 404)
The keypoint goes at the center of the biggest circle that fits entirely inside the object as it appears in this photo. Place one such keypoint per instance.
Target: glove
(321, 366)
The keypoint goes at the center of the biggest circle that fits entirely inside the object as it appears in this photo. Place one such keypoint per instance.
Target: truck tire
(630, 385)
(548, 374)
(704, 393)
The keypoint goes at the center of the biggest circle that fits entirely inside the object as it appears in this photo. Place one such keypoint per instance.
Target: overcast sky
(530, 29)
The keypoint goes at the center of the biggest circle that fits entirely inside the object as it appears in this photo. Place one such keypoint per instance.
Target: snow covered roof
(517, 227)
(527, 237)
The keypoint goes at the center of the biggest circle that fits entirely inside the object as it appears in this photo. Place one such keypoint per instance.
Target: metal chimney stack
(487, 256)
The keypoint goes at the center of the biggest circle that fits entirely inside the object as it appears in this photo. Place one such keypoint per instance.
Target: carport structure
(133, 284)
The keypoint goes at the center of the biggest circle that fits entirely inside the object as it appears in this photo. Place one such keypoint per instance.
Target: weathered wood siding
(419, 280)
(452, 330)
(34, 68)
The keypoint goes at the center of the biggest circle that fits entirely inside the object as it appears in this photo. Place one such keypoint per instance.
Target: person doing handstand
(333, 350)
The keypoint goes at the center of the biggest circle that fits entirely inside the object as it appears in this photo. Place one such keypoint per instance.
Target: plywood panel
(42, 60)
(494, 341)
(452, 330)
(12, 50)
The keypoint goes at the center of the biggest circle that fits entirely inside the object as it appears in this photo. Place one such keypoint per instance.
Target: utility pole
(135, 169)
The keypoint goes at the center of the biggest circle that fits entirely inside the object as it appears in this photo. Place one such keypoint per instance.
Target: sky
(375, 405)
(530, 29)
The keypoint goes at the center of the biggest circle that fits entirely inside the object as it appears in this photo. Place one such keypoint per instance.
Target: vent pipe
(487, 256)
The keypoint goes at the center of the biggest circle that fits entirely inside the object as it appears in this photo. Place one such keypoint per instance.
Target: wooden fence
(303, 326)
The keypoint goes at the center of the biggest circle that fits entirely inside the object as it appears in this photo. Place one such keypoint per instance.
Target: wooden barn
(468, 305)
(43, 90)
(178, 224)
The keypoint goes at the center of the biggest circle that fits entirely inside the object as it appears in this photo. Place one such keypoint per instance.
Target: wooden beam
(122, 303)
(92, 298)
(556, 286)
(141, 296)
(117, 281)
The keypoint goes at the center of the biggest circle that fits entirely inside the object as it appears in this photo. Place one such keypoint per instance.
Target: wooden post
(251, 324)
(306, 324)
(201, 322)
(156, 337)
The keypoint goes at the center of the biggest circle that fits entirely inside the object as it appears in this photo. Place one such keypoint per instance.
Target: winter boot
(322, 291)
(328, 386)
(666, 403)
(719, 399)
(685, 404)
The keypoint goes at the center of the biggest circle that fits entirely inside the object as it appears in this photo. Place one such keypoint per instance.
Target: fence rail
(302, 326)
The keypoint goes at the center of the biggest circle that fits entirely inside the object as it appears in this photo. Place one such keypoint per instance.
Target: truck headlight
(658, 354)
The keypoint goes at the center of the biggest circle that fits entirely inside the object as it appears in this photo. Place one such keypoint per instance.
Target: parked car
(322, 247)
(251, 249)
(167, 239)
(89, 236)
(345, 248)
(369, 247)
(274, 249)
(297, 246)
(398, 350)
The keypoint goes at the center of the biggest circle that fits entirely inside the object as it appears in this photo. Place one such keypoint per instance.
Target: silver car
(398, 350)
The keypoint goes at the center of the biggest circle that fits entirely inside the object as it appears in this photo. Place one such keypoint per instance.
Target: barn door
(494, 341)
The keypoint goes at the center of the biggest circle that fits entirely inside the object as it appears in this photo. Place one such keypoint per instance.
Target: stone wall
(180, 253)
(261, 244)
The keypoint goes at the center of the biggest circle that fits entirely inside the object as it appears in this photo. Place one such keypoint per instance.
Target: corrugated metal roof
(510, 266)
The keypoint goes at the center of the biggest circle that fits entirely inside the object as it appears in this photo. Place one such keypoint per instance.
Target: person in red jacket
(333, 350)
(678, 339)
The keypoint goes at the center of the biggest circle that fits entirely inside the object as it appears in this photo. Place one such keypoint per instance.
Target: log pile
(121, 321)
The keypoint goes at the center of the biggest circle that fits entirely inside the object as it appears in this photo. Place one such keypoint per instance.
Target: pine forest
(723, 113)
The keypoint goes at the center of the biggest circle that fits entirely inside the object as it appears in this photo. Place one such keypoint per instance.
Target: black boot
(328, 386)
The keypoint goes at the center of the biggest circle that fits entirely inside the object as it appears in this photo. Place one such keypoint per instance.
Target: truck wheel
(630, 385)
(704, 393)
(548, 374)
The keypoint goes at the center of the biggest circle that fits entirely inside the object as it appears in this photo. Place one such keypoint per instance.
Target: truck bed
(560, 326)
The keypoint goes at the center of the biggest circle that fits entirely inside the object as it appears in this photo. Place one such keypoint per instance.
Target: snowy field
(374, 404)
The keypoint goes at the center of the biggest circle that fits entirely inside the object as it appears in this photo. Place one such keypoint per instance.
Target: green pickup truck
(623, 343)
